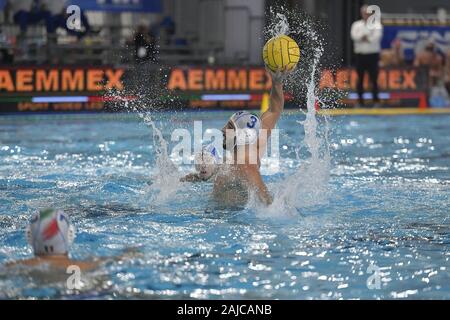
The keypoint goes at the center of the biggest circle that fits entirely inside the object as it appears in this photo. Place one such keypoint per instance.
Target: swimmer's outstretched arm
(276, 106)
(255, 181)
(60, 262)
(276, 102)
(63, 261)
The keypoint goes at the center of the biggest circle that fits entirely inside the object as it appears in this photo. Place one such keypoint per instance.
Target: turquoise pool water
(383, 211)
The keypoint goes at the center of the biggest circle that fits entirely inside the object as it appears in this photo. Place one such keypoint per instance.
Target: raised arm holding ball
(245, 134)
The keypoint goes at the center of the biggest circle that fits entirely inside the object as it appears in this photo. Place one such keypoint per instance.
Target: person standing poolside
(366, 36)
(245, 137)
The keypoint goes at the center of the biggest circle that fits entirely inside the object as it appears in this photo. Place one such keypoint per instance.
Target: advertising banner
(47, 89)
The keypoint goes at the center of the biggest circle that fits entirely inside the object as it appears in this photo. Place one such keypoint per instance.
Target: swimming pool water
(386, 208)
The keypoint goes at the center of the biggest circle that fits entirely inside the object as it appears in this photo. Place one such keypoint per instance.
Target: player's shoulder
(86, 265)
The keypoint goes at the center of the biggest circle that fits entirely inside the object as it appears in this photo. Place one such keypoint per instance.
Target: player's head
(430, 46)
(50, 233)
(396, 43)
(241, 129)
(206, 162)
(364, 14)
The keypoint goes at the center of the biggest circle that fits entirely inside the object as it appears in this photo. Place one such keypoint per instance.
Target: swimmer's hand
(280, 75)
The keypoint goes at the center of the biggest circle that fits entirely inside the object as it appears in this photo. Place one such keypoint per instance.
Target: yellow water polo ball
(280, 52)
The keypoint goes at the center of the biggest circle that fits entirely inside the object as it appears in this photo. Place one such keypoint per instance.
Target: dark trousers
(369, 63)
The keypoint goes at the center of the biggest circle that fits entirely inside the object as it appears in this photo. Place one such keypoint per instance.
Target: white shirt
(374, 33)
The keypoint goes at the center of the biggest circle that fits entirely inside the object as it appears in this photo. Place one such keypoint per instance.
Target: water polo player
(242, 137)
(51, 234)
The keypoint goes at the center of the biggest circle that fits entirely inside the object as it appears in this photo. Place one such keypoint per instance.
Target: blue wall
(109, 5)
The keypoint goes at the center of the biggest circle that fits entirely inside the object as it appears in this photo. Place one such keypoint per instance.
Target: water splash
(281, 26)
(308, 184)
(166, 177)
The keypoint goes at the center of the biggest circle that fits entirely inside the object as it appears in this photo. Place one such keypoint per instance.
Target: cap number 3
(252, 122)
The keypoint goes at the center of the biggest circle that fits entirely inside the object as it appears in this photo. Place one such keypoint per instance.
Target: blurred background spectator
(6, 49)
(167, 29)
(394, 56)
(432, 59)
(144, 44)
(447, 72)
(29, 12)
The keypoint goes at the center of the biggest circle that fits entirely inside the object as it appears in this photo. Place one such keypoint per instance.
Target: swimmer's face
(205, 171)
(228, 135)
(205, 166)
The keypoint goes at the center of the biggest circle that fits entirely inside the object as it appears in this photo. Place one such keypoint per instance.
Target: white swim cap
(247, 127)
(50, 232)
(206, 161)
